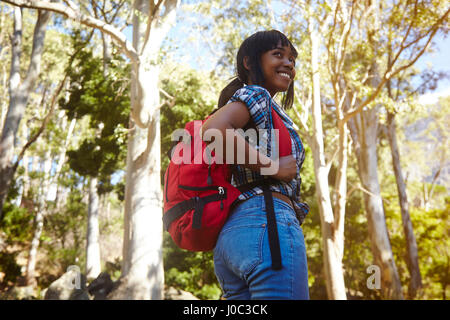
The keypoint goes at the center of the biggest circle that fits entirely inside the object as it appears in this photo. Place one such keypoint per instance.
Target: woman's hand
(287, 168)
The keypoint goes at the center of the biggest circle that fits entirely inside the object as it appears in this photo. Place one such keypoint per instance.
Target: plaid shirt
(259, 103)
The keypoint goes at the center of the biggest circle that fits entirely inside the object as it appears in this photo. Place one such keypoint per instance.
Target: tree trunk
(363, 128)
(93, 260)
(334, 275)
(412, 257)
(39, 220)
(93, 266)
(19, 93)
(142, 269)
(61, 192)
(341, 188)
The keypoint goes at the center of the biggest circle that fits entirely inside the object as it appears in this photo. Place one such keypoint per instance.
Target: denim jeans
(242, 259)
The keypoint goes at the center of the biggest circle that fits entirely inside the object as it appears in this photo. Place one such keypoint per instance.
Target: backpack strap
(272, 230)
(197, 203)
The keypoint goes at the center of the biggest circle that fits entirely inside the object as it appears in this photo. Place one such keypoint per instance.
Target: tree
(400, 91)
(415, 26)
(355, 83)
(104, 98)
(19, 93)
(142, 271)
(329, 224)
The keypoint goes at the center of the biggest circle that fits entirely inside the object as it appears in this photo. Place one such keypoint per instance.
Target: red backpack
(198, 197)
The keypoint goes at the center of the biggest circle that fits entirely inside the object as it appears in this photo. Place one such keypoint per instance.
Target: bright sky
(439, 61)
(199, 56)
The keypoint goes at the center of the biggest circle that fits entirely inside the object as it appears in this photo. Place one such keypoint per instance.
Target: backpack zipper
(199, 188)
(221, 192)
(219, 188)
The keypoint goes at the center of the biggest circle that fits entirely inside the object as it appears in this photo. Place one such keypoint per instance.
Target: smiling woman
(260, 252)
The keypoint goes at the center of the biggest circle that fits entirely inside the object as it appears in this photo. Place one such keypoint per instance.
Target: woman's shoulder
(252, 90)
(253, 96)
(257, 100)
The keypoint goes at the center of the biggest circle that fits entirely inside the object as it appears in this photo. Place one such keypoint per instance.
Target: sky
(440, 61)
(198, 55)
(189, 52)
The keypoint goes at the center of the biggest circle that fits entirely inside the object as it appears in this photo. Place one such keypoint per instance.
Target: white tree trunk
(142, 270)
(19, 93)
(93, 265)
(341, 189)
(61, 192)
(334, 275)
(39, 220)
(364, 133)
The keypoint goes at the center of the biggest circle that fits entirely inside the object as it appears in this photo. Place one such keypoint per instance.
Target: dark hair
(253, 47)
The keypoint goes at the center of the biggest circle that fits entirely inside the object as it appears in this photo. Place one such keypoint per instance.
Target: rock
(70, 286)
(172, 293)
(24, 293)
(123, 289)
(19, 293)
(101, 286)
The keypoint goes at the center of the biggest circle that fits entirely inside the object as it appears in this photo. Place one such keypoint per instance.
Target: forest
(91, 91)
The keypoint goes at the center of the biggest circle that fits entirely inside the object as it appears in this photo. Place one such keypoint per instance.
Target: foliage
(431, 229)
(190, 271)
(64, 233)
(104, 97)
(17, 223)
(192, 100)
(9, 267)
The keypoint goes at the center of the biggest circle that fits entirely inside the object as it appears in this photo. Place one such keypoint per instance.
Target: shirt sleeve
(257, 100)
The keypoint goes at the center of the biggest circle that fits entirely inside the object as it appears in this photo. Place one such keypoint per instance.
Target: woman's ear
(246, 66)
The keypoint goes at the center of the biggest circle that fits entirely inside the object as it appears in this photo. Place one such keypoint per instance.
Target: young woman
(242, 256)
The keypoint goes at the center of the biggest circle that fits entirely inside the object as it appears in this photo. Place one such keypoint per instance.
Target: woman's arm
(235, 115)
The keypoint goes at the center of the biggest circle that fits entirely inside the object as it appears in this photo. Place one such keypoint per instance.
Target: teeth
(285, 75)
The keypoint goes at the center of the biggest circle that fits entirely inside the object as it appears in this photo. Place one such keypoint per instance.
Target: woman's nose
(289, 63)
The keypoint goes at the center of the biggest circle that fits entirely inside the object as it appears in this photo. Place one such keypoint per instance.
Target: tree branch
(389, 74)
(89, 21)
(43, 125)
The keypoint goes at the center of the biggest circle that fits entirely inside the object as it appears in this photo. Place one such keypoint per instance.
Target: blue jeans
(242, 259)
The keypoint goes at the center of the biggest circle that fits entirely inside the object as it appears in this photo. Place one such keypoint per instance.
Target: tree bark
(142, 269)
(19, 93)
(412, 257)
(93, 265)
(363, 130)
(39, 220)
(341, 188)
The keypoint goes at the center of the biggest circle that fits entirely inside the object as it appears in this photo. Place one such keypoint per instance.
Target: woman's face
(278, 69)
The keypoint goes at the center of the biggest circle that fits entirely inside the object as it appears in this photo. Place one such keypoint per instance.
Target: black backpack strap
(272, 230)
(197, 203)
(176, 211)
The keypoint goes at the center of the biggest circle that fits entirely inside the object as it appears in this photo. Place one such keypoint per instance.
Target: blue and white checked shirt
(259, 103)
